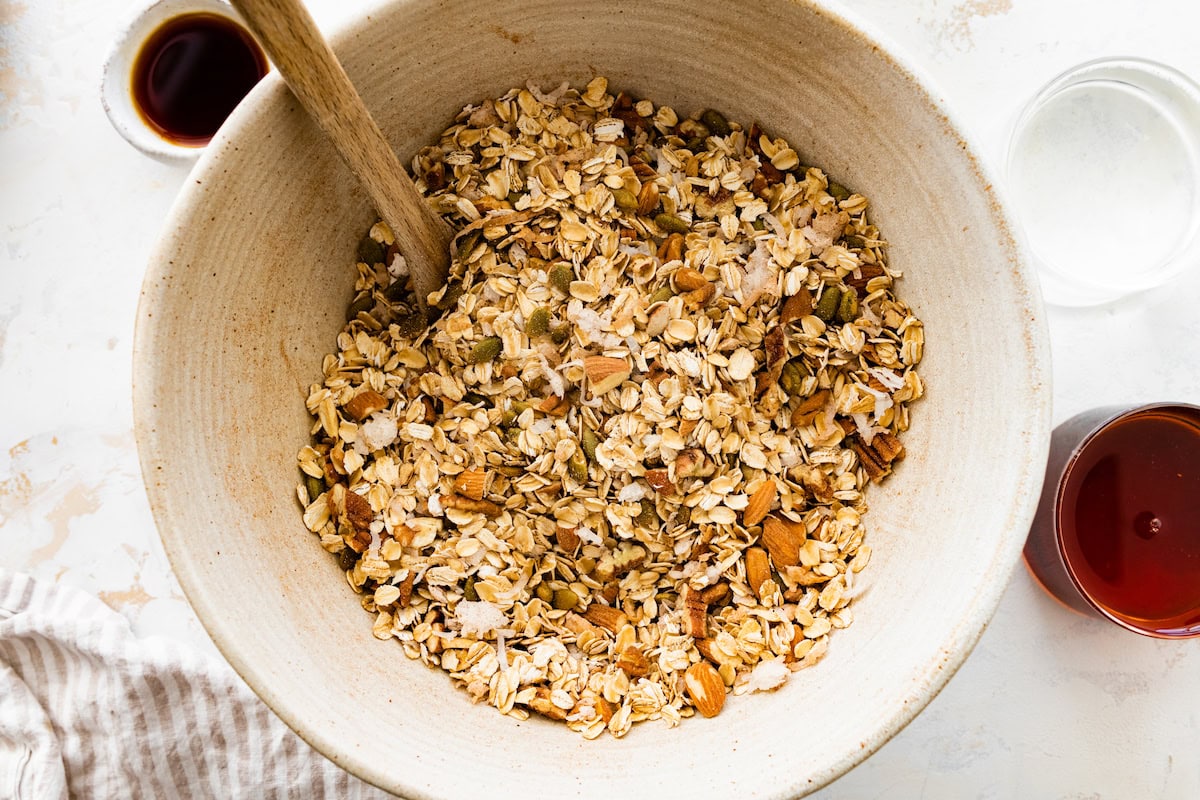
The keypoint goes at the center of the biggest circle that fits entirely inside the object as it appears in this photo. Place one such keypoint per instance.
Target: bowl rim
(958, 642)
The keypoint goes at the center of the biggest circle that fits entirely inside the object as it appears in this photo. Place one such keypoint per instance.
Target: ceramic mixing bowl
(250, 284)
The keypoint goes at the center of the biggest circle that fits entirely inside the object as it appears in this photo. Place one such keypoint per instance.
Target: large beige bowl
(250, 285)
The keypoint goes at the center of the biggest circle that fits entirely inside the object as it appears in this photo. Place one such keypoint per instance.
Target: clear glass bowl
(1103, 172)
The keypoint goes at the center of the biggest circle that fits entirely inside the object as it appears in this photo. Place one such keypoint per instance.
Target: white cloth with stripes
(89, 710)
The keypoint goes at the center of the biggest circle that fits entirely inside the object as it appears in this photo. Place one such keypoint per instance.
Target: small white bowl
(116, 87)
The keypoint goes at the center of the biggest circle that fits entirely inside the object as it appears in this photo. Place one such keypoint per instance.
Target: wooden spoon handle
(292, 40)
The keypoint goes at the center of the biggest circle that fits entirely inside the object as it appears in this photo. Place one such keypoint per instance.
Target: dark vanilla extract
(191, 73)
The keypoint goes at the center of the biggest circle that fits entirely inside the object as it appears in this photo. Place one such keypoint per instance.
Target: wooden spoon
(287, 32)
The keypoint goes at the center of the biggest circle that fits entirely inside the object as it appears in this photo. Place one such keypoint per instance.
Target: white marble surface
(1050, 705)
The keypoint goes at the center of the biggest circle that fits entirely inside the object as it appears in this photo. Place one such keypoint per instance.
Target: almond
(758, 570)
(365, 403)
(760, 503)
(705, 687)
(470, 483)
(605, 373)
(568, 540)
(606, 617)
(648, 199)
(783, 538)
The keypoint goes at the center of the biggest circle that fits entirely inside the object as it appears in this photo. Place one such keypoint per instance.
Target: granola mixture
(618, 471)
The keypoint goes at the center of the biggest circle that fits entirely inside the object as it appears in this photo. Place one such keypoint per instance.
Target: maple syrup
(191, 72)
(1125, 519)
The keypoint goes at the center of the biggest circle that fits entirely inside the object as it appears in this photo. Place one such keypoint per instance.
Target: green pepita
(577, 466)
(848, 306)
(838, 191)
(466, 245)
(648, 516)
(588, 443)
(561, 276)
(411, 325)
(715, 122)
(314, 486)
(671, 223)
(827, 306)
(450, 299)
(564, 599)
(791, 379)
(544, 592)
(370, 251)
(469, 592)
(661, 296)
(364, 303)
(486, 349)
(625, 200)
(538, 323)
(560, 333)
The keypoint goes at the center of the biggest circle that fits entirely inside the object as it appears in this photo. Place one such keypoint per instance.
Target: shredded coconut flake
(631, 493)
(767, 675)
(379, 431)
(479, 617)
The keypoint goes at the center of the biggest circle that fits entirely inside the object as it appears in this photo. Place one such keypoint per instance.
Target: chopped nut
(485, 507)
(688, 279)
(358, 511)
(716, 594)
(540, 702)
(615, 563)
(660, 481)
(470, 483)
(633, 662)
(695, 613)
(812, 405)
(796, 307)
(568, 540)
(605, 373)
(692, 463)
(365, 403)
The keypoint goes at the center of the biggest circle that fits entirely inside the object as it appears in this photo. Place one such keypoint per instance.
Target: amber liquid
(1129, 520)
(191, 73)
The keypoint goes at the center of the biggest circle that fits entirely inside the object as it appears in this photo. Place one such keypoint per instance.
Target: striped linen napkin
(89, 710)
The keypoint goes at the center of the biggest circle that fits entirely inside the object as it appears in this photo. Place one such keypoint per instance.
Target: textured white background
(1050, 705)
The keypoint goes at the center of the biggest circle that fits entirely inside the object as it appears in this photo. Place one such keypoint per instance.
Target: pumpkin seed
(486, 349)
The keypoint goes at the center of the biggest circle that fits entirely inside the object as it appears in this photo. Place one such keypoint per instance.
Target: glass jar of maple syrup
(177, 72)
(1117, 532)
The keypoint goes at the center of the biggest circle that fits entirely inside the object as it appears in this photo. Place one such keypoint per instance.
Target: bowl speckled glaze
(250, 284)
